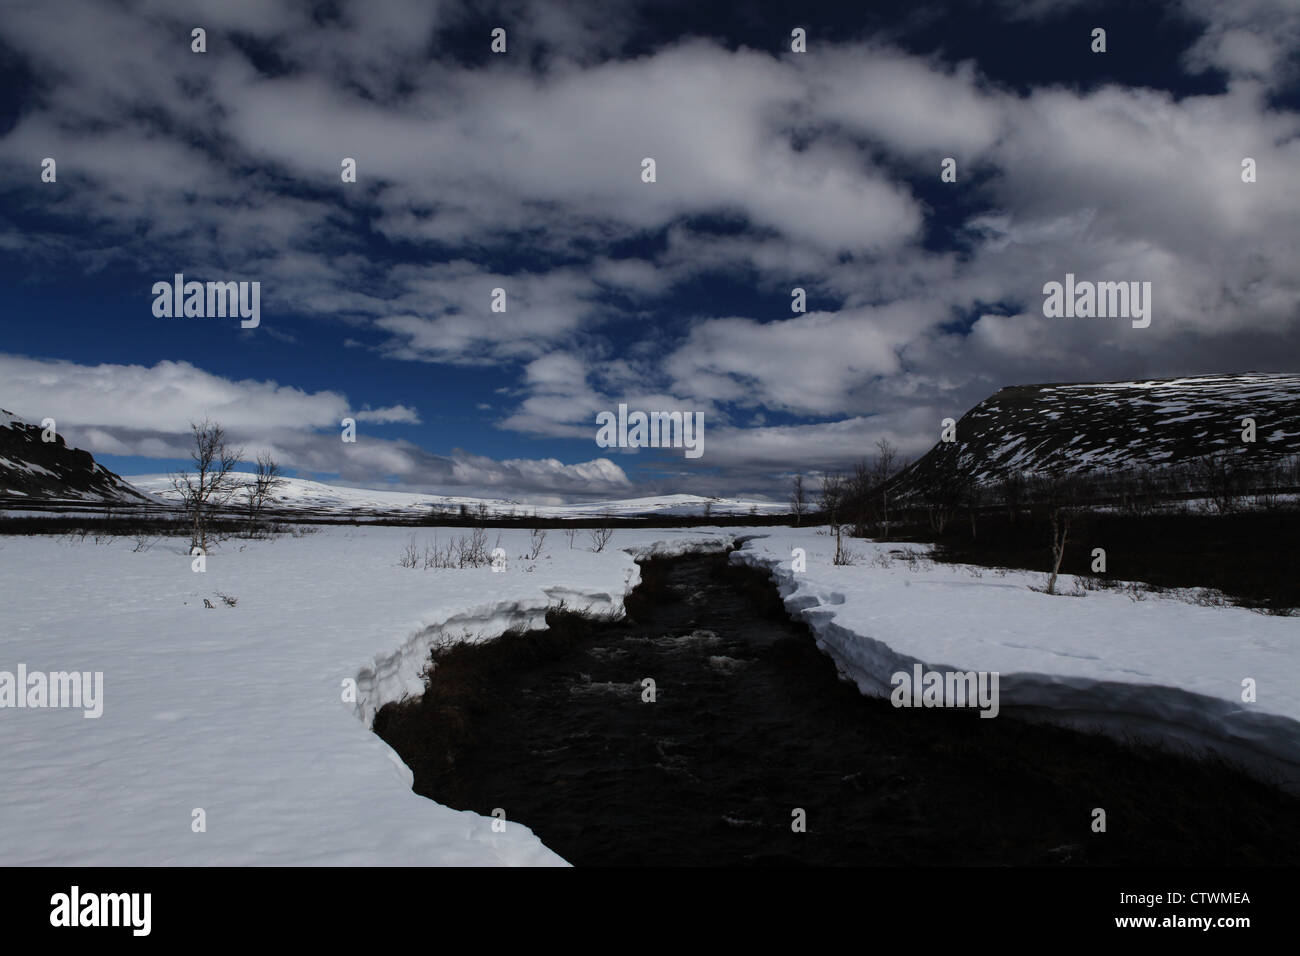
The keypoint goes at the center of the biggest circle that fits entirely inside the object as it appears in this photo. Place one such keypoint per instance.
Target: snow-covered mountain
(304, 495)
(37, 470)
(1061, 429)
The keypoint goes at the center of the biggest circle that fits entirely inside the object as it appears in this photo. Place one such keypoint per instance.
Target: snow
(26, 466)
(239, 710)
(302, 493)
(1160, 667)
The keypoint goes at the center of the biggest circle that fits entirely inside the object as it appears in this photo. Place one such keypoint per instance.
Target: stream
(751, 728)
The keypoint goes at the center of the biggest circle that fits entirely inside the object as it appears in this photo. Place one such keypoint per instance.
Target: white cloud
(183, 167)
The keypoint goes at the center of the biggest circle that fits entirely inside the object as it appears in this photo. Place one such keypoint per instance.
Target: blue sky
(522, 171)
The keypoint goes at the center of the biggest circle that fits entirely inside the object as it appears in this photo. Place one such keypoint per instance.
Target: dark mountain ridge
(37, 470)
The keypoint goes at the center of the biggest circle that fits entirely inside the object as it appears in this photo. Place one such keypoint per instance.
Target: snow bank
(239, 710)
(1158, 667)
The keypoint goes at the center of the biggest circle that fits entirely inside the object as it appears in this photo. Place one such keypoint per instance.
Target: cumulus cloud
(166, 396)
(134, 410)
(523, 173)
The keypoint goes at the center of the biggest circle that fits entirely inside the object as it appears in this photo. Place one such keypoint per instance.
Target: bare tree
(972, 496)
(833, 502)
(1060, 496)
(1012, 489)
(1060, 518)
(265, 480)
(856, 497)
(798, 500)
(832, 497)
(886, 465)
(944, 489)
(210, 485)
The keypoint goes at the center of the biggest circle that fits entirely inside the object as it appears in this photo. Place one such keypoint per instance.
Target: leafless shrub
(475, 554)
(536, 539)
(843, 556)
(1220, 482)
(913, 558)
(465, 551)
(600, 537)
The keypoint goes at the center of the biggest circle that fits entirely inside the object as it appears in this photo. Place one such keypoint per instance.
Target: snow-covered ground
(239, 710)
(1160, 666)
(304, 494)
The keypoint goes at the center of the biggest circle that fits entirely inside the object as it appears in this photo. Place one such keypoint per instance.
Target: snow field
(240, 711)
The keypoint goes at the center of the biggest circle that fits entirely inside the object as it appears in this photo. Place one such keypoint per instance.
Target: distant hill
(1065, 429)
(44, 471)
(303, 496)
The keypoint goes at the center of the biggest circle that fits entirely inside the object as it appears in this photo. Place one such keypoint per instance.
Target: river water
(751, 729)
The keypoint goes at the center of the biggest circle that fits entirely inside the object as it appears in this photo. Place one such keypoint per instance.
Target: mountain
(1071, 428)
(41, 471)
(304, 496)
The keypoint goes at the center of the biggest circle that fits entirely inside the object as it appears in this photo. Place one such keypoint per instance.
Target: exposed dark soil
(751, 723)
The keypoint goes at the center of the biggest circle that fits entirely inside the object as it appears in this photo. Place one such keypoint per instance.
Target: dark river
(751, 724)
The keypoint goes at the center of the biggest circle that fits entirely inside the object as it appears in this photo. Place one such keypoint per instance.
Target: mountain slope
(1071, 428)
(38, 470)
(307, 496)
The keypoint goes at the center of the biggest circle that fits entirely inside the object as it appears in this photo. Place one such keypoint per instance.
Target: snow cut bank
(1158, 668)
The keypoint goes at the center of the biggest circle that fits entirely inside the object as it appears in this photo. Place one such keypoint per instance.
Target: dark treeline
(75, 518)
(1222, 523)
(873, 498)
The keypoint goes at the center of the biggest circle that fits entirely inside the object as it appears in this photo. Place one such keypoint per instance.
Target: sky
(523, 171)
